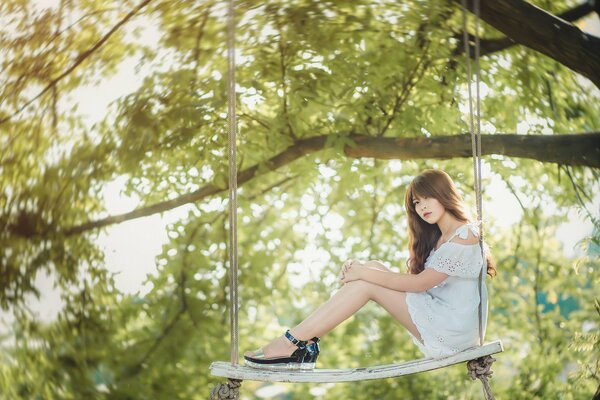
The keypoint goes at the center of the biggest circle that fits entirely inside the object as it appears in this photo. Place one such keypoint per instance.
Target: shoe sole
(281, 366)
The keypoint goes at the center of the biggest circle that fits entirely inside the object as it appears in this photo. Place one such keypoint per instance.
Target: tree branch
(541, 31)
(577, 190)
(271, 187)
(283, 71)
(489, 46)
(414, 77)
(196, 53)
(78, 61)
(569, 149)
(255, 119)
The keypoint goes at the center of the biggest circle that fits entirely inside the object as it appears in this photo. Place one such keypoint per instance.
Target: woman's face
(429, 209)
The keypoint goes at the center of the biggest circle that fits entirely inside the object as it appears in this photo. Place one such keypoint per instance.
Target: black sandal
(293, 362)
(312, 353)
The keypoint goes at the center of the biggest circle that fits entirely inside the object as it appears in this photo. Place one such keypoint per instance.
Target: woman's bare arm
(395, 281)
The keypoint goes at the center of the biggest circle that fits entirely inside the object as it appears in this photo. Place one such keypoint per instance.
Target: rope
(478, 167)
(475, 130)
(231, 146)
(226, 391)
(481, 369)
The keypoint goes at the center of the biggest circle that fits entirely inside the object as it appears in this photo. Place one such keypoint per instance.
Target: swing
(478, 358)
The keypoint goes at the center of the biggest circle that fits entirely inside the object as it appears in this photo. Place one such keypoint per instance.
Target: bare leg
(343, 304)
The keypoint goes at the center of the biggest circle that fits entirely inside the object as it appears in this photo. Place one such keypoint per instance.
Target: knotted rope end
(481, 367)
(226, 391)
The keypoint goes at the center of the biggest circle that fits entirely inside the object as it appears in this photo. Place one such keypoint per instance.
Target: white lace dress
(447, 314)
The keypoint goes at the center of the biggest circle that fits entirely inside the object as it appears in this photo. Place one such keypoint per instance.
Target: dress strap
(463, 231)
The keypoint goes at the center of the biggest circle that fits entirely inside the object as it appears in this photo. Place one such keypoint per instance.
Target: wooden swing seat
(318, 375)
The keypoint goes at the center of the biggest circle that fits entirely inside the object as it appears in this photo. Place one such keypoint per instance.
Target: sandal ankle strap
(298, 343)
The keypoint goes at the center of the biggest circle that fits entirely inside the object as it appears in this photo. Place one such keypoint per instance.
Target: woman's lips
(426, 215)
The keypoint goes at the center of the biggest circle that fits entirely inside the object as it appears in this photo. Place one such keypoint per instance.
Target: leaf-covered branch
(572, 149)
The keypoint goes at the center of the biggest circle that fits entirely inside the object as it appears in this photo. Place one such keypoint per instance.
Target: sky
(133, 259)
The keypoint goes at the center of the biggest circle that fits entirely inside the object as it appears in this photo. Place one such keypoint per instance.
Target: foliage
(305, 68)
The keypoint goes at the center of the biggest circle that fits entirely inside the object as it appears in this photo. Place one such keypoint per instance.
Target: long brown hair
(422, 236)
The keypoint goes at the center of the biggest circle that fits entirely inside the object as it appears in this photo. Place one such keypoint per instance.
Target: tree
(327, 94)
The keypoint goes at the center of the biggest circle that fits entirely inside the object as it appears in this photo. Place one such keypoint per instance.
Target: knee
(362, 287)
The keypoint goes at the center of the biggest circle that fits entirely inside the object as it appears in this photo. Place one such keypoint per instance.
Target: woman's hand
(351, 271)
(345, 267)
(346, 277)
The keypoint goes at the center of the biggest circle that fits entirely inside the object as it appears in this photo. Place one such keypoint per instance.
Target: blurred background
(108, 107)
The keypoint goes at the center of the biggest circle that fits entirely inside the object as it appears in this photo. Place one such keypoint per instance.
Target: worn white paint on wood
(225, 369)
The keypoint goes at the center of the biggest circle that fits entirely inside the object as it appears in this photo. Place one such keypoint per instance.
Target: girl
(437, 301)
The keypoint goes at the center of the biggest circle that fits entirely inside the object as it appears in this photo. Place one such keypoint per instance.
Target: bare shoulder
(465, 236)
